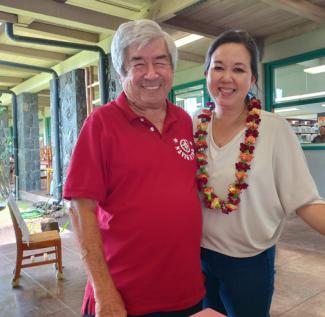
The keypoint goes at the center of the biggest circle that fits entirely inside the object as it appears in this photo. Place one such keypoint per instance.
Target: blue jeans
(239, 287)
(179, 313)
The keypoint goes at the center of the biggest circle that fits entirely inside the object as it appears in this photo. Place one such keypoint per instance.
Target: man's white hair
(141, 32)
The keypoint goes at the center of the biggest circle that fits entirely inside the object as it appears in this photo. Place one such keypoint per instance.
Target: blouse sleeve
(294, 183)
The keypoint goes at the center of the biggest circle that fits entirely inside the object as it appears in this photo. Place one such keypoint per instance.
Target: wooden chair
(49, 240)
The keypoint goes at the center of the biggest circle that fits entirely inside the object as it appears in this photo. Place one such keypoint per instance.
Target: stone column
(28, 142)
(4, 144)
(114, 85)
(73, 113)
(54, 130)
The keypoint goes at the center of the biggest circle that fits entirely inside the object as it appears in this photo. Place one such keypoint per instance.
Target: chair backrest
(21, 230)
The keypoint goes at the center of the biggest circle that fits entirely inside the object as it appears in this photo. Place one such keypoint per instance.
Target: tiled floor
(300, 279)
(40, 293)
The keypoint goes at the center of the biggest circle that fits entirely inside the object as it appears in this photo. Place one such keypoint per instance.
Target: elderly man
(131, 181)
(321, 137)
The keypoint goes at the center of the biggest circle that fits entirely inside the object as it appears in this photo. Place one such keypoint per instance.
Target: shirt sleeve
(87, 169)
(294, 183)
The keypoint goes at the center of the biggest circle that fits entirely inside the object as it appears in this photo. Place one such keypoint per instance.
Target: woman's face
(229, 77)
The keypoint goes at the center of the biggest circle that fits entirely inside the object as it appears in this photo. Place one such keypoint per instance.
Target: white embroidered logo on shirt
(185, 149)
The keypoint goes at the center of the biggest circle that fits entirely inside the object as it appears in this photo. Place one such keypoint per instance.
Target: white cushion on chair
(20, 220)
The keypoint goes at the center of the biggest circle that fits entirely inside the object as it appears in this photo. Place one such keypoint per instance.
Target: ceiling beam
(6, 80)
(33, 53)
(303, 8)
(190, 26)
(16, 72)
(191, 57)
(4, 87)
(163, 10)
(2, 29)
(8, 17)
(24, 20)
(64, 14)
(292, 32)
(122, 5)
(63, 32)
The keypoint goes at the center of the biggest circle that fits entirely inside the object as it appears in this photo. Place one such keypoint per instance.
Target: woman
(252, 175)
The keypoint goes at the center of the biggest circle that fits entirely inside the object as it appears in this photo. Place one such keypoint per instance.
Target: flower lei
(211, 200)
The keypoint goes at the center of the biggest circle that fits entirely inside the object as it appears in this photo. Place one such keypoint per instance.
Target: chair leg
(19, 259)
(58, 249)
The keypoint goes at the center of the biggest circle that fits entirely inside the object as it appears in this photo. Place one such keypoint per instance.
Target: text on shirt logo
(185, 149)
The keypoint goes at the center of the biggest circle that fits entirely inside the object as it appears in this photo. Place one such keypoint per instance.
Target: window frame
(270, 104)
(206, 96)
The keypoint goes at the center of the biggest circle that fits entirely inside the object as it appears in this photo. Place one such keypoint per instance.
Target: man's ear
(120, 78)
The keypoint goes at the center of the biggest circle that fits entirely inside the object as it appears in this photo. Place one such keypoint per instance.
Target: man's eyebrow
(162, 56)
(136, 58)
(139, 58)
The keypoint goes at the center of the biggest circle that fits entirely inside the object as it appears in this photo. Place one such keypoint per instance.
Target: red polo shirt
(148, 210)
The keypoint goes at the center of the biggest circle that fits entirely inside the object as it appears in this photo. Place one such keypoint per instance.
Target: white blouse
(279, 183)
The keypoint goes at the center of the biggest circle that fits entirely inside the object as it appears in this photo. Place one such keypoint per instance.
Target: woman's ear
(253, 81)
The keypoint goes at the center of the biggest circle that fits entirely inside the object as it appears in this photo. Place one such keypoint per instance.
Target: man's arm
(85, 226)
(314, 215)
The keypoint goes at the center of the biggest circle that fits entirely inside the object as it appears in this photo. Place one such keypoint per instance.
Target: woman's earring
(250, 94)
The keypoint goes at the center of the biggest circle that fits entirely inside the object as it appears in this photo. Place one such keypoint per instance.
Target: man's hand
(110, 304)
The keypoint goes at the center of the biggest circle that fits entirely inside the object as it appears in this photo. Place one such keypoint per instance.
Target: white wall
(316, 163)
(294, 46)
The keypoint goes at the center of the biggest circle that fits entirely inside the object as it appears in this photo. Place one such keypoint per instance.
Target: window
(295, 89)
(191, 96)
(92, 88)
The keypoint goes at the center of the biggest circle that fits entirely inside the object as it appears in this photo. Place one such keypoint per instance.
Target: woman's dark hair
(235, 36)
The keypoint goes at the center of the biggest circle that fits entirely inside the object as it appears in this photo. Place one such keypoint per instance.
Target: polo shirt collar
(123, 104)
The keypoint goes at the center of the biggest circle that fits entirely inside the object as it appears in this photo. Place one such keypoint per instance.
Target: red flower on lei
(246, 156)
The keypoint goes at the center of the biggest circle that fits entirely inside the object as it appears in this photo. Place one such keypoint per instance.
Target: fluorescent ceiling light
(315, 70)
(323, 105)
(297, 97)
(285, 109)
(187, 39)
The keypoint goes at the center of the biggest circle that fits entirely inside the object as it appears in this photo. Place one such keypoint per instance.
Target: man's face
(148, 74)
(322, 130)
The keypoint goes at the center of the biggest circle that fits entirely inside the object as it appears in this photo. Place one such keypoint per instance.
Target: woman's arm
(314, 215)
(84, 221)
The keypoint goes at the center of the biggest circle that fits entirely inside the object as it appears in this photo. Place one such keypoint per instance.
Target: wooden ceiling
(94, 21)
